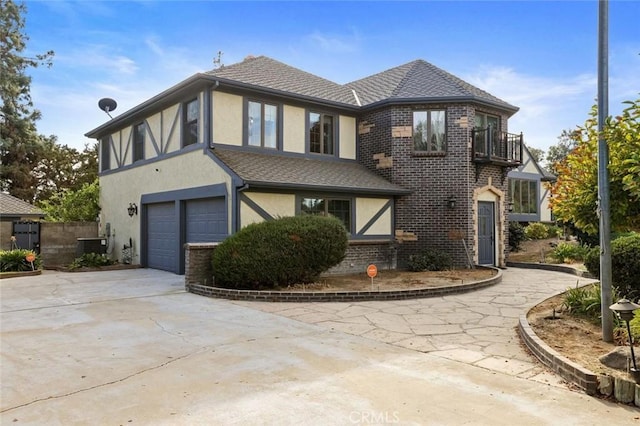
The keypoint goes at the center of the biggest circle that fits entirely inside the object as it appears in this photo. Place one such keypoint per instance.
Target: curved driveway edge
(341, 296)
(476, 328)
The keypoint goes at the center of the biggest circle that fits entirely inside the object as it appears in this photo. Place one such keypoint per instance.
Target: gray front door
(486, 233)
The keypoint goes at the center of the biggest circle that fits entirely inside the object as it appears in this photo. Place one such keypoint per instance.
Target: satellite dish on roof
(107, 104)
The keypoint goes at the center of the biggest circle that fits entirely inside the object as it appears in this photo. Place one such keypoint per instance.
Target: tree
(20, 145)
(559, 151)
(73, 205)
(64, 168)
(536, 153)
(574, 195)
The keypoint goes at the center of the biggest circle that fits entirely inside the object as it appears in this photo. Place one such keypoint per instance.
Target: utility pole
(603, 172)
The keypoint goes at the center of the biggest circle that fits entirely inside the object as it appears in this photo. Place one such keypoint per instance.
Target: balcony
(491, 146)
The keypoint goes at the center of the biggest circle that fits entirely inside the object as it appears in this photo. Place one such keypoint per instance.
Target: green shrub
(536, 231)
(568, 252)
(553, 230)
(15, 260)
(625, 264)
(280, 252)
(586, 302)
(91, 260)
(516, 235)
(430, 260)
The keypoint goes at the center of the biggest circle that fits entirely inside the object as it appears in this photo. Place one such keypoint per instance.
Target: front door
(486, 233)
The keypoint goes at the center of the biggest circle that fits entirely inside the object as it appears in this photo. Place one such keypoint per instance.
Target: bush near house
(625, 264)
(539, 231)
(430, 260)
(516, 235)
(90, 260)
(569, 252)
(15, 260)
(280, 252)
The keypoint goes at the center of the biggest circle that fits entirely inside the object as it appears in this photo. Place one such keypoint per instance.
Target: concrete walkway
(476, 328)
(131, 347)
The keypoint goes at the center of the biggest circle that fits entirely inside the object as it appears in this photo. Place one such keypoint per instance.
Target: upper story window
(262, 124)
(138, 142)
(190, 122)
(321, 133)
(524, 194)
(339, 208)
(430, 131)
(105, 153)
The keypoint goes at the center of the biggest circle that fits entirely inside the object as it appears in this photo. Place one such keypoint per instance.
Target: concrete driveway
(131, 347)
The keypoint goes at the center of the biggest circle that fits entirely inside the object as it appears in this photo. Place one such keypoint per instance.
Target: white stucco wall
(347, 137)
(277, 205)
(367, 208)
(227, 118)
(119, 189)
(294, 129)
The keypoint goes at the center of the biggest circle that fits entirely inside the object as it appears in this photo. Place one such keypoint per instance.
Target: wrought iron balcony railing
(495, 147)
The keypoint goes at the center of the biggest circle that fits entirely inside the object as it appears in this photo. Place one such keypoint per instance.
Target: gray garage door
(206, 220)
(162, 237)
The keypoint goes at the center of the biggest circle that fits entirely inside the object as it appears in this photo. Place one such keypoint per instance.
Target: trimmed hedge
(280, 252)
(516, 235)
(625, 264)
(430, 260)
(15, 260)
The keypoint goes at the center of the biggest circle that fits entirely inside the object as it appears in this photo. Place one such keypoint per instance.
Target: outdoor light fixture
(451, 203)
(624, 309)
(509, 205)
(132, 209)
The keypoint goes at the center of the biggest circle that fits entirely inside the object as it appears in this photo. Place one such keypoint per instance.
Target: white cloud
(335, 43)
(547, 105)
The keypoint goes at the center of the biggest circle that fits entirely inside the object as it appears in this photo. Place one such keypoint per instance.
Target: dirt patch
(575, 338)
(534, 251)
(394, 280)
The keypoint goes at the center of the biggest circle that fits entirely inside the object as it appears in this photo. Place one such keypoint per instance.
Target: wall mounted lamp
(509, 205)
(451, 203)
(132, 209)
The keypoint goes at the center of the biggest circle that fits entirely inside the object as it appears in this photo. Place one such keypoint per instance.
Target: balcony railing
(493, 146)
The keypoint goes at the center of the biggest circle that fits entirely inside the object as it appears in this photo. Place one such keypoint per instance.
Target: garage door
(162, 237)
(206, 220)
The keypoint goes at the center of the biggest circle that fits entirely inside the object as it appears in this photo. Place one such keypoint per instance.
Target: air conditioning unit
(91, 245)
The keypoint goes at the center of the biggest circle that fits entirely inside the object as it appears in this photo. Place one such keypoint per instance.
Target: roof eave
(442, 99)
(327, 188)
(285, 94)
(168, 96)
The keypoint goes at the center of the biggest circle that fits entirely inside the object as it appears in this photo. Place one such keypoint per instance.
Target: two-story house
(409, 158)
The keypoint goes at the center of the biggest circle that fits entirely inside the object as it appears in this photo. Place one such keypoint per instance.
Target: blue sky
(539, 55)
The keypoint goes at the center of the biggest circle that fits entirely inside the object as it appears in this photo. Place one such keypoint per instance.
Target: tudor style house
(529, 191)
(409, 158)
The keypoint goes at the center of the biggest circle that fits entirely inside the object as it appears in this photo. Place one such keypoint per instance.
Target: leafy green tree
(63, 168)
(73, 205)
(558, 152)
(536, 153)
(575, 193)
(20, 145)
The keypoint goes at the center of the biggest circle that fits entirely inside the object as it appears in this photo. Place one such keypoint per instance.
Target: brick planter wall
(197, 264)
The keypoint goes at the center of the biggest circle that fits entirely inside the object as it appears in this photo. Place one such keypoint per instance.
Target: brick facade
(434, 179)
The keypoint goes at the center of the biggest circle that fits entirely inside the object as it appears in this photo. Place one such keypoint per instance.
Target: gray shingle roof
(265, 72)
(419, 80)
(296, 172)
(12, 206)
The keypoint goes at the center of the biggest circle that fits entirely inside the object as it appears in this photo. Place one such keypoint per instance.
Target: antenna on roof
(217, 61)
(107, 104)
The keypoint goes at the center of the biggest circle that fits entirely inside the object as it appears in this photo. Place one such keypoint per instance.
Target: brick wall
(433, 179)
(197, 264)
(359, 255)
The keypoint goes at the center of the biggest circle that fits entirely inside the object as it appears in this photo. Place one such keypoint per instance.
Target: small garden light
(624, 309)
